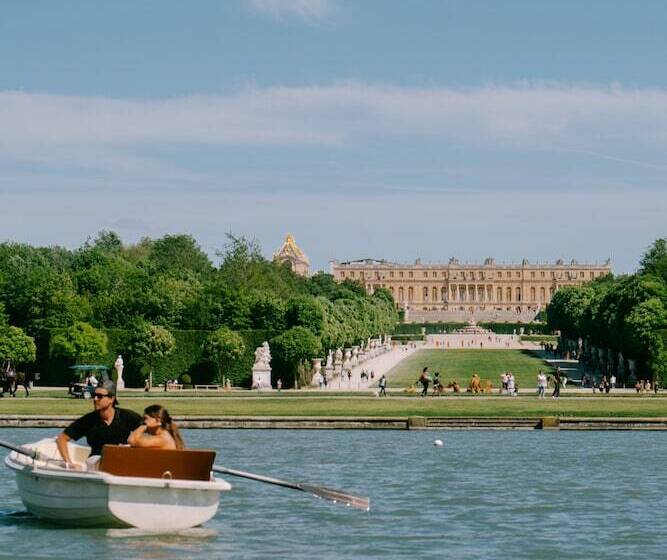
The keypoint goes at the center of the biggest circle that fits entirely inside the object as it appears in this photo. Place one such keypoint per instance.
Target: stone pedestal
(261, 378)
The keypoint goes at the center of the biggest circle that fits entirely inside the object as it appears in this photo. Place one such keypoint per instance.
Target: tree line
(621, 321)
(158, 286)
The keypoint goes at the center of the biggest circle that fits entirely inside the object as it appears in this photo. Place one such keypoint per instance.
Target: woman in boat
(158, 431)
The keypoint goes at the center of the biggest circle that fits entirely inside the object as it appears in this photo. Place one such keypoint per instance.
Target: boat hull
(98, 499)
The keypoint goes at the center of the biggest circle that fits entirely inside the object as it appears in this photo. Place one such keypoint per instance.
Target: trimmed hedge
(187, 358)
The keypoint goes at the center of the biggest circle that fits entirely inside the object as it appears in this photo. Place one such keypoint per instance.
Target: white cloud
(611, 123)
(308, 10)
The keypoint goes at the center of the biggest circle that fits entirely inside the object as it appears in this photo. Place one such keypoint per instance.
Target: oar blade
(338, 497)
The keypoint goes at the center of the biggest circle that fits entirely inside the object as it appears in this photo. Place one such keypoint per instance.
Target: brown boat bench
(180, 464)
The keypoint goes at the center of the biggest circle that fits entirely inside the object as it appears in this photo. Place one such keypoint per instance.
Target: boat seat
(181, 464)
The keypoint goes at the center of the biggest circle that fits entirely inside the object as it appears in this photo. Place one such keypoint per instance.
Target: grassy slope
(648, 406)
(460, 365)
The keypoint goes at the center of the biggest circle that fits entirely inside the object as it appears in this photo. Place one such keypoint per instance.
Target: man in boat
(107, 424)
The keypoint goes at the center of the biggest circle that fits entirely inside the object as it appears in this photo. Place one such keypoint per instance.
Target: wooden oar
(335, 496)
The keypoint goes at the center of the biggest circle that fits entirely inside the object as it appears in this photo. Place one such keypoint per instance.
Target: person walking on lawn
(424, 379)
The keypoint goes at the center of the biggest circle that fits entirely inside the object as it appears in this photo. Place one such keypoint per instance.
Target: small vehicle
(78, 388)
(153, 489)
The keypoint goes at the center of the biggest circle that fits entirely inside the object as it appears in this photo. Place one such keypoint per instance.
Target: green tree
(148, 343)
(81, 343)
(645, 323)
(654, 260)
(305, 311)
(169, 298)
(292, 348)
(16, 346)
(178, 253)
(223, 346)
(268, 312)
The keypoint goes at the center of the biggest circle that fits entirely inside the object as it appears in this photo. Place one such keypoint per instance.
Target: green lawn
(641, 406)
(461, 364)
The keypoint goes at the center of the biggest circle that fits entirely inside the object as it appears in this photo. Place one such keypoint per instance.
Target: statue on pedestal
(317, 380)
(338, 361)
(261, 370)
(355, 353)
(329, 368)
(118, 365)
(347, 360)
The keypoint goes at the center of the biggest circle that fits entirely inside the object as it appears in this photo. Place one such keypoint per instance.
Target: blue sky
(368, 129)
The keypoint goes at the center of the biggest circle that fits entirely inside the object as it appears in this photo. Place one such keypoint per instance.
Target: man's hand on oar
(335, 496)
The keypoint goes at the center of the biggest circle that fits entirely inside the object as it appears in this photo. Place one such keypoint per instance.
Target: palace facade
(455, 291)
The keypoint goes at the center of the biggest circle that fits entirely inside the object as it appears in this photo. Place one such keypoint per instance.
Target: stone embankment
(370, 422)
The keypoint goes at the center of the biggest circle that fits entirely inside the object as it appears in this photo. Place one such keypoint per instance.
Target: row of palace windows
(462, 294)
(571, 275)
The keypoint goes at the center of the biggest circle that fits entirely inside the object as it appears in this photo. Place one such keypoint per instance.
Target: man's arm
(61, 442)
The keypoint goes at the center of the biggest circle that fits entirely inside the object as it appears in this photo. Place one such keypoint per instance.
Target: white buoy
(438, 443)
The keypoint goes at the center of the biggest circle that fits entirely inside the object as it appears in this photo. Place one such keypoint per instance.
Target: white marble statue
(118, 365)
(262, 356)
(261, 370)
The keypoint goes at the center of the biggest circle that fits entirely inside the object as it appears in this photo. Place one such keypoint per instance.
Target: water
(537, 495)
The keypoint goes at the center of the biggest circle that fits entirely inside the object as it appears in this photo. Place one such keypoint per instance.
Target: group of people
(425, 381)
(508, 385)
(644, 386)
(108, 424)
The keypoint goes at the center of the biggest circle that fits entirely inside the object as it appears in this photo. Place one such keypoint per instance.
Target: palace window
(517, 274)
(377, 275)
(410, 274)
(542, 294)
(542, 274)
(532, 275)
(581, 274)
(435, 275)
(391, 275)
(401, 294)
(532, 294)
(518, 294)
(352, 274)
(425, 274)
(425, 293)
(400, 274)
(342, 274)
(499, 274)
(508, 274)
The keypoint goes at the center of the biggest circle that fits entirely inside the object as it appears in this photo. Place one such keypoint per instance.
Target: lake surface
(502, 494)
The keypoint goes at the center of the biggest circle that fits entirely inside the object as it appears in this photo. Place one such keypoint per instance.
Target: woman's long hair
(160, 413)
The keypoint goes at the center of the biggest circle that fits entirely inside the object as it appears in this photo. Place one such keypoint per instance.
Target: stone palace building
(465, 292)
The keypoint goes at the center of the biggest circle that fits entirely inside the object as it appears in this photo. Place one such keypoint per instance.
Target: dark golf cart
(78, 387)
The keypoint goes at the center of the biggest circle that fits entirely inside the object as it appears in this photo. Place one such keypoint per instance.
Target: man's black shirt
(97, 432)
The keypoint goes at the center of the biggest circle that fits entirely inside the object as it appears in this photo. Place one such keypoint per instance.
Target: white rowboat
(95, 498)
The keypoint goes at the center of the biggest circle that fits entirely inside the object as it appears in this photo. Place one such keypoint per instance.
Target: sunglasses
(100, 395)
